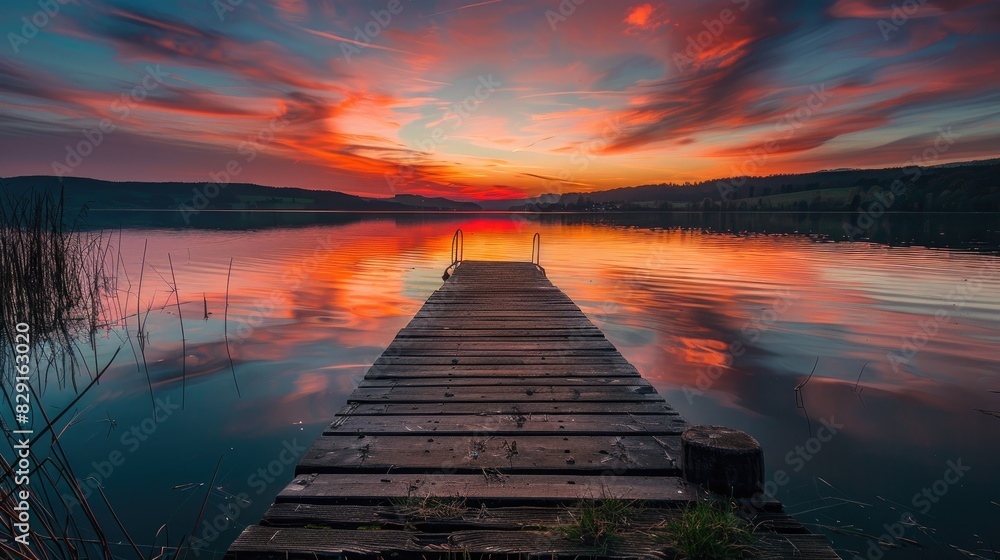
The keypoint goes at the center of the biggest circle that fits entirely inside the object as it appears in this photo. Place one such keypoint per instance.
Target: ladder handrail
(457, 252)
(536, 251)
(457, 247)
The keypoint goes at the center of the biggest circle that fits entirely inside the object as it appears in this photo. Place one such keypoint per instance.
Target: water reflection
(726, 325)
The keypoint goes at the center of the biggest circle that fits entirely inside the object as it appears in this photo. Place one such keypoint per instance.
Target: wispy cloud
(465, 7)
(604, 87)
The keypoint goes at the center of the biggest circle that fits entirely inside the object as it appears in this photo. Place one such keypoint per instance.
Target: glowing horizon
(491, 99)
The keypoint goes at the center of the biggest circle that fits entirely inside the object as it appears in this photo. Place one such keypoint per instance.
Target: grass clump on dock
(601, 523)
(708, 530)
(430, 507)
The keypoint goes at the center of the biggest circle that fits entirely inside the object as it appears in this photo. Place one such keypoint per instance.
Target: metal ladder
(458, 252)
(536, 251)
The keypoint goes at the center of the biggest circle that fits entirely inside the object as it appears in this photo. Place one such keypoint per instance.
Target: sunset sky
(490, 99)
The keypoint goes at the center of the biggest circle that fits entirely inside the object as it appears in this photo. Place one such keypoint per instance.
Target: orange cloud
(644, 17)
(587, 106)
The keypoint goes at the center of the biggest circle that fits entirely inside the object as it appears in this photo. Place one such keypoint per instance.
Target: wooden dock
(488, 420)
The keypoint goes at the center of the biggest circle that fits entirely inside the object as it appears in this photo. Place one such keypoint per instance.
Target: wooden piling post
(724, 460)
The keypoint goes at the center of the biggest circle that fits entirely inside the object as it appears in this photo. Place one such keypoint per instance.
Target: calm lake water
(902, 333)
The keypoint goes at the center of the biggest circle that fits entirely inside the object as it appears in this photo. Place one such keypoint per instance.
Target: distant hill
(956, 187)
(425, 203)
(93, 193)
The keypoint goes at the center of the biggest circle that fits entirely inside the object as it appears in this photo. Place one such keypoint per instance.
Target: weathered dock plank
(508, 381)
(536, 360)
(289, 544)
(500, 333)
(490, 488)
(467, 370)
(504, 403)
(525, 345)
(438, 312)
(534, 408)
(551, 393)
(514, 424)
(474, 451)
(498, 518)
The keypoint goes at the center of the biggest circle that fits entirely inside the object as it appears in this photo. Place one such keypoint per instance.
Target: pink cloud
(644, 17)
(604, 81)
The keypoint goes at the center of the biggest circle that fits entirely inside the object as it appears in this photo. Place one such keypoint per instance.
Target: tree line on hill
(973, 187)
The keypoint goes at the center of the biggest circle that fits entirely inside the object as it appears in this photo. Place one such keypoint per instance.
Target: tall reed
(56, 278)
(62, 281)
